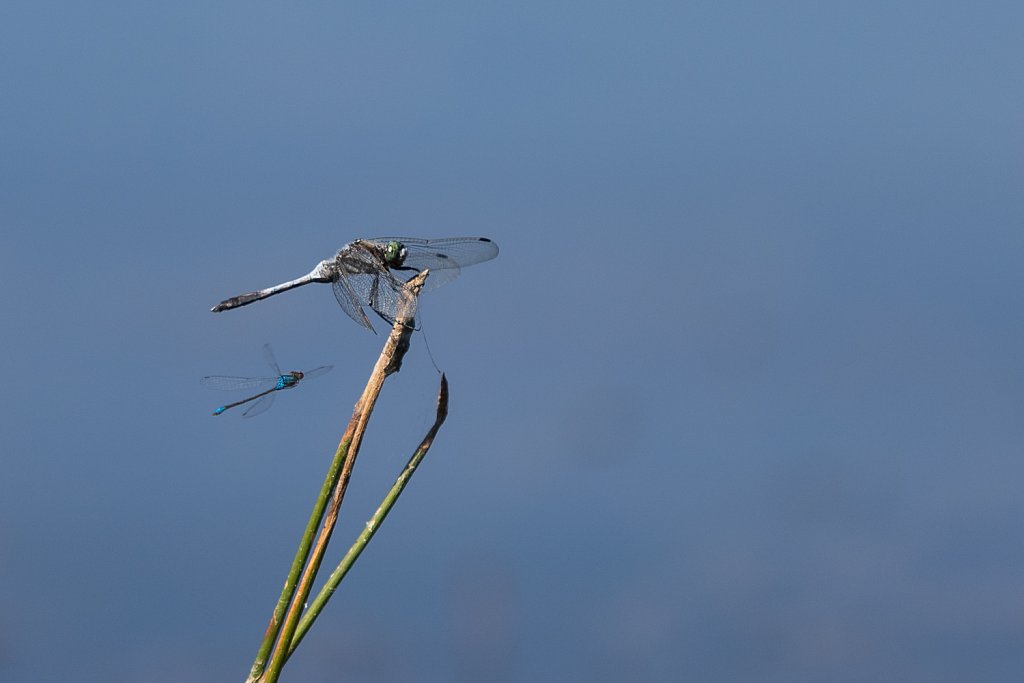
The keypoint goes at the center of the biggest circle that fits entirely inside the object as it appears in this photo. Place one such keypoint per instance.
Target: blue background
(739, 400)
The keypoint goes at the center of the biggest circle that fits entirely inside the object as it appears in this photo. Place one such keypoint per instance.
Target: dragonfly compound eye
(394, 254)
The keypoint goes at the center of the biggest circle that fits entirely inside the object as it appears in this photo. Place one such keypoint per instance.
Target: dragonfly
(269, 385)
(372, 272)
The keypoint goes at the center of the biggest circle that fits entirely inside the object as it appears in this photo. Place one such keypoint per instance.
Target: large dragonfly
(372, 272)
(270, 385)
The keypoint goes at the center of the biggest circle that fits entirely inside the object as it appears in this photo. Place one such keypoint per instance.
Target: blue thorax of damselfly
(289, 380)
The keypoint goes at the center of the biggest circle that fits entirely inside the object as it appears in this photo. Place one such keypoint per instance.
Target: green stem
(315, 607)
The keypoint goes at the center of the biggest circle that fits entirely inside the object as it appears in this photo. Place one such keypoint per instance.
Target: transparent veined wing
(229, 383)
(445, 252)
(316, 372)
(364, 279)
(386, 296)
(268, 353)
(361, 278)
(260, 406)
(346, 291)
(445, 256)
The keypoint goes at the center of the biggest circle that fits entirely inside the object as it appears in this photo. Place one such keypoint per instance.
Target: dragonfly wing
(361, 256)
(316, 372)
(260, 406)
(445, 257)
(387, 295)
(440, 276)
(442, 269)
(348, 297)
(446, 252)
(268, 353)
(355, 267)
(231, 383)
(368, 281)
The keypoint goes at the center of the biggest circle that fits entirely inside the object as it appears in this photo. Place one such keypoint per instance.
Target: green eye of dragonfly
(394, 253)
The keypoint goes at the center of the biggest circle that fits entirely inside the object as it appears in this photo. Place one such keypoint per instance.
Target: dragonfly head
(394, 254)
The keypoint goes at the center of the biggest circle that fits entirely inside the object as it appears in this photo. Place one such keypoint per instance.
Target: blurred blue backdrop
(739, 400)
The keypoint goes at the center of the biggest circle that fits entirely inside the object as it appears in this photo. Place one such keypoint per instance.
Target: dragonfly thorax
(288, 381)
